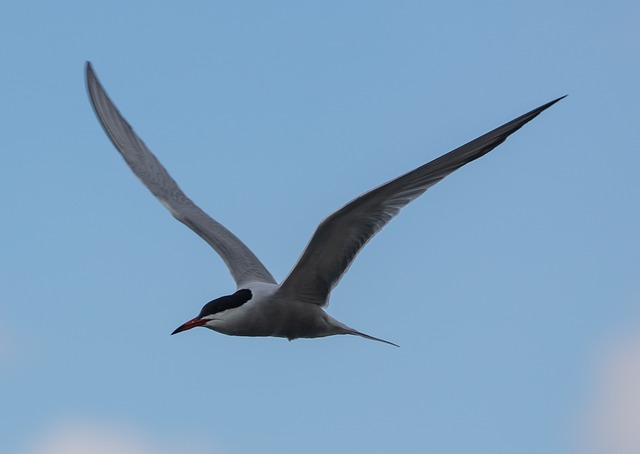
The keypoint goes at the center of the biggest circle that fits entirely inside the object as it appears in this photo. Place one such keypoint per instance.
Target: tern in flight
(295, 308)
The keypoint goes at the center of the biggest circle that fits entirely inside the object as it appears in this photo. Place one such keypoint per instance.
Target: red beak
(190, 324)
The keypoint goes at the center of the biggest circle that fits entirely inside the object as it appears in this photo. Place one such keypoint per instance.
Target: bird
(294, 308)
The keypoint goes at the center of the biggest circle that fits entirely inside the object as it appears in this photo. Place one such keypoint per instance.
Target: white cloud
(614, 416)
(92, 438)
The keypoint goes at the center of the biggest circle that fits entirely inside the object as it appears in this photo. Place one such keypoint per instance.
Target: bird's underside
(293, 308)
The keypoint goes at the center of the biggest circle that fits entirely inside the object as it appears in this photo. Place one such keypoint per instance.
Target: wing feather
(341, 236)
(242, 263)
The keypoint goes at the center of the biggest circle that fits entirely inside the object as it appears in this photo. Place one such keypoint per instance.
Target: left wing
(242, 263)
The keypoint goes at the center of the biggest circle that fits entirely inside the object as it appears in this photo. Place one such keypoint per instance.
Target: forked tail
(366, 336)
(337, 327)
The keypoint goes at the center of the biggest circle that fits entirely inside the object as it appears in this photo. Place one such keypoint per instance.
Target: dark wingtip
(551, 103)
(535, 112)
(90, 77)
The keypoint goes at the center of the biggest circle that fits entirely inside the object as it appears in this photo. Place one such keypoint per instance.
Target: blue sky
(511, 286)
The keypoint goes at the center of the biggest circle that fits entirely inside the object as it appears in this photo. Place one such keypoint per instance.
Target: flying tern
(294, 308)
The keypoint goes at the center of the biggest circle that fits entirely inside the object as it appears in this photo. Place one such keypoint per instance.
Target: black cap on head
(226, 302)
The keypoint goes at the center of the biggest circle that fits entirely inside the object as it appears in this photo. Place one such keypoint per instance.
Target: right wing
(340, 237)
(242, 263)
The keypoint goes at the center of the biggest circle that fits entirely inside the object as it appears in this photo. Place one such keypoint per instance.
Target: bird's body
(294, 308)
(267, 314)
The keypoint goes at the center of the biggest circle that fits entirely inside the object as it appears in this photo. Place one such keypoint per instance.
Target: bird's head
(214, 310)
